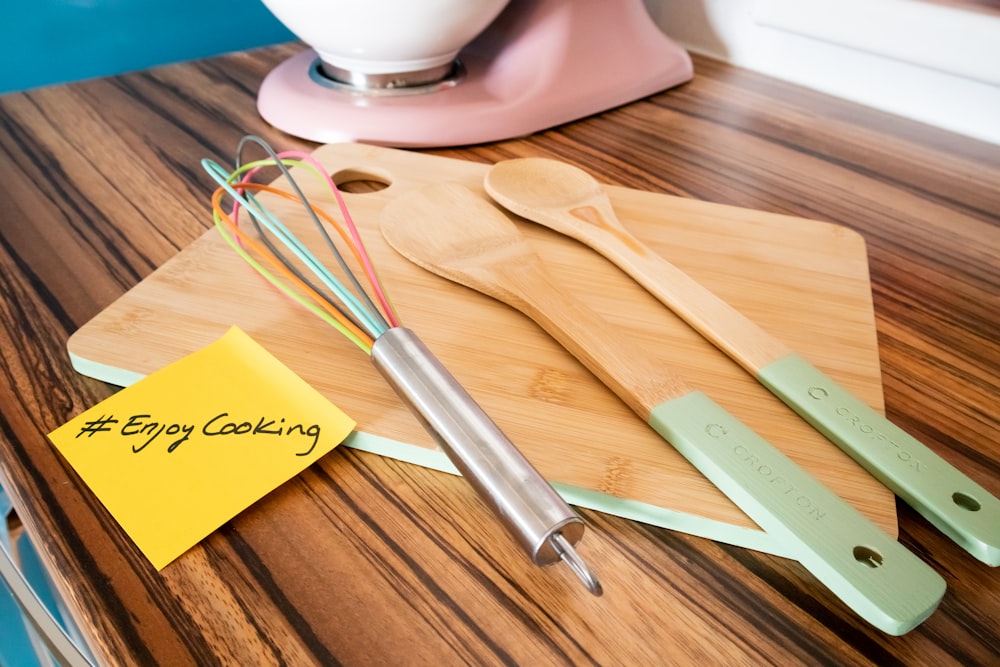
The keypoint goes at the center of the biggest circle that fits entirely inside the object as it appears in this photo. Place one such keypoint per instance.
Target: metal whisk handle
(531, 510)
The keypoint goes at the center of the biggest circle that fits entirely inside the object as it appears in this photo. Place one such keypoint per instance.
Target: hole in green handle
(966, 502)
(868, 556)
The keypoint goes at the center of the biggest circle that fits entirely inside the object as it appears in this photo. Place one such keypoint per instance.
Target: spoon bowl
(538, 183)
(570, 201)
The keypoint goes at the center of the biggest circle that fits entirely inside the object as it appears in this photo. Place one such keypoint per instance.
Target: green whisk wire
(356, 306)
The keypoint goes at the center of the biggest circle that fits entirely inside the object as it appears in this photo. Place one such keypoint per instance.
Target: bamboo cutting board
(804, 281)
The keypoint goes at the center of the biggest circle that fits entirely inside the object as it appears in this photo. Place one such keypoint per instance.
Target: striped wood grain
(99, 184)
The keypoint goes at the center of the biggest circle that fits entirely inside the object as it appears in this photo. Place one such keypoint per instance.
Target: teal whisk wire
(356, 306)
(369, 307)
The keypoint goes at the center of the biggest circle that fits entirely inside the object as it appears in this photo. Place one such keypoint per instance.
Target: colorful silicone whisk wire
(343, 303)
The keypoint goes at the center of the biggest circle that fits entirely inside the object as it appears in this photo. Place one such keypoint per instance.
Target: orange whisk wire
(347, 307)
(320, 305)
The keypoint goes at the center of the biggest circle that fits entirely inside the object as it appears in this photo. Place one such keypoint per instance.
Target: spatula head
(451, 231)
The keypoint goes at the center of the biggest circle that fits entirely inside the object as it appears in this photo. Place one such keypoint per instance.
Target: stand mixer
(455, 72)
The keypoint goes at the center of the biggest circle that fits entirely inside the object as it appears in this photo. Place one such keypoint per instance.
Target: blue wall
(54, 41)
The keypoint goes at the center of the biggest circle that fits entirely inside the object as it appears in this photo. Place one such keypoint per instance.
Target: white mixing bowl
(379, 37)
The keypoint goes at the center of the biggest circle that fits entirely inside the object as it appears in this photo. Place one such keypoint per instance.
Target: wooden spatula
(570, 201)
(449, 230)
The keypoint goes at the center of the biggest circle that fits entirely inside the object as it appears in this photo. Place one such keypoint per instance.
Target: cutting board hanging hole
(362, 181)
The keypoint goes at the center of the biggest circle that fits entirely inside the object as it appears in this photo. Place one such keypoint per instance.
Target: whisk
(528, 507)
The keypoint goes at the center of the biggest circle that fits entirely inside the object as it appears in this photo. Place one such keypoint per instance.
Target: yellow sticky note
(177, 454)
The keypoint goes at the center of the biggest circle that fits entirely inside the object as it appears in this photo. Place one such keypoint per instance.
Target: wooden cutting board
(802, 280)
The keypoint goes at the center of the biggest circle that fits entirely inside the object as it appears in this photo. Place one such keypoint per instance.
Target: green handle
(871, 572)
(957, 506)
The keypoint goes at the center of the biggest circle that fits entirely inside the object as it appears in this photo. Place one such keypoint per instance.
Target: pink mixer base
(541, 64)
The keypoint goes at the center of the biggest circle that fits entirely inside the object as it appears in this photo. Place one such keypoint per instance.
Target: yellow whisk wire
(306, 296)
(353, 313)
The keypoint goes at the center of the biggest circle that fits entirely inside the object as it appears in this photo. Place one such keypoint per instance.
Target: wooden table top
(100, 183)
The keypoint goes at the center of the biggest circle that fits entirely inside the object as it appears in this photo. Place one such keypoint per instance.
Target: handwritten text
(143, 430)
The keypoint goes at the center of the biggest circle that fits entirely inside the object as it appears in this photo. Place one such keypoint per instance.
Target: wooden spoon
(568, 200)
(450, 231)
